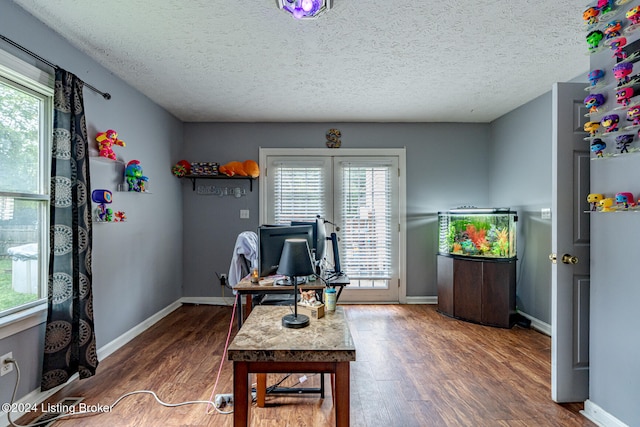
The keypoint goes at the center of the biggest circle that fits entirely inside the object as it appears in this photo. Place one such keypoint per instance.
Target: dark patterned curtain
(70, 344)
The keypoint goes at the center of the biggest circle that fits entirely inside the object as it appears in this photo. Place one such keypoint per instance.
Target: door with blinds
(362, 199)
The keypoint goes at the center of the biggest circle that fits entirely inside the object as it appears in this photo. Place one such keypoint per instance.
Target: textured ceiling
(363, 60)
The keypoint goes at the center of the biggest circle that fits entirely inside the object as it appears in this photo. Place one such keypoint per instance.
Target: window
(25, 131)
(299, 188)
(367, 216)
(361, 193)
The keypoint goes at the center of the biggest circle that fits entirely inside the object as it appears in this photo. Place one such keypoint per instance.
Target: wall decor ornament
(333, 138)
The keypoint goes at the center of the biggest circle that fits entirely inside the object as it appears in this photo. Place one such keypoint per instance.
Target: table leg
(239, 311)
(341, 402)
(241, 395)
(249, 304)
(261, 389)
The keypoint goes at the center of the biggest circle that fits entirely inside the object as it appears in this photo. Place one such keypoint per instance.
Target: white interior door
(570, 243)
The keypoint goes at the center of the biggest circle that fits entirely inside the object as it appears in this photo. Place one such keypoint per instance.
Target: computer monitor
(271, 241)
(319, 246)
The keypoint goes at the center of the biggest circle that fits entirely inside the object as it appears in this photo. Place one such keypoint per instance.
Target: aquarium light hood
(479, 210)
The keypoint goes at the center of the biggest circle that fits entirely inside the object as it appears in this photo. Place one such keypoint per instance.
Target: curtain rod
(105, 95)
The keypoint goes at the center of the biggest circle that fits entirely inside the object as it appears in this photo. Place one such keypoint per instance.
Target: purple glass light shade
(303, 8)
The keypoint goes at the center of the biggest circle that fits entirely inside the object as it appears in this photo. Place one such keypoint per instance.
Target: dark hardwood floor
(415, 367)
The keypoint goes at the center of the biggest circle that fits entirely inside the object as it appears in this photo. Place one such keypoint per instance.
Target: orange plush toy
(251, 168)
(235, 168)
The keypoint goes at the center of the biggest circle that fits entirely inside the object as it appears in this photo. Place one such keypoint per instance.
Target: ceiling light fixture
(304, 9)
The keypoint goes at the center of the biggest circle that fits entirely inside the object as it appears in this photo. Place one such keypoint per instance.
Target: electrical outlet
(223, 279)
(5, 368)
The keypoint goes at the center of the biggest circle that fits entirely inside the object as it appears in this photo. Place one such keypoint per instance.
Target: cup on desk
(255, 278)
(330, 299)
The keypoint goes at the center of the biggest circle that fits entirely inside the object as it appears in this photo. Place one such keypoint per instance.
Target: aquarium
(476, 232)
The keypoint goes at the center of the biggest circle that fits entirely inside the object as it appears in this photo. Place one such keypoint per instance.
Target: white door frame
(345, 152)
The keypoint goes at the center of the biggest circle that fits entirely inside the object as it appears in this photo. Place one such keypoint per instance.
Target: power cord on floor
(224, 354)
(119, 399)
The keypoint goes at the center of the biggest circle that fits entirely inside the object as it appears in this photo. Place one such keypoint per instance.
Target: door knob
(569, 259)
(553, 258)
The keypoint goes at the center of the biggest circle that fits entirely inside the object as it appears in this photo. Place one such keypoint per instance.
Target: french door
(361, 195)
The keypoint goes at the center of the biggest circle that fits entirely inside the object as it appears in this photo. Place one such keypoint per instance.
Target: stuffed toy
(246, 168)
(106, 140)
(181, 168)
(251, 168)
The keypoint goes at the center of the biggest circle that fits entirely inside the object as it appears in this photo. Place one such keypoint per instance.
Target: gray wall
(137, 265)
(520, 178)
(615, 288)
(447, 166)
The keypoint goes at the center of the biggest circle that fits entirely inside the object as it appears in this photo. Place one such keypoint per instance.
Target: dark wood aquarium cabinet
(480, 291)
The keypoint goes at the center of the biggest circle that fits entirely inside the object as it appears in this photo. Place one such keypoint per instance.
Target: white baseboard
(422, 300)
(36, 397)
(208, 300)
(537, 324)
(114, 345)
(599, 416)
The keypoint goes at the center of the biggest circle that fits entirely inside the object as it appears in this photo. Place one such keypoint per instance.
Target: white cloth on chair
(247, 247)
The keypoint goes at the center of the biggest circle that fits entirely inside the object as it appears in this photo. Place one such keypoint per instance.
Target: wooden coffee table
(264, 346)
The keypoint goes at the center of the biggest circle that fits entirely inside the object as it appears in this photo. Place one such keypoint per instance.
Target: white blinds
(366, 217)
(298, 191)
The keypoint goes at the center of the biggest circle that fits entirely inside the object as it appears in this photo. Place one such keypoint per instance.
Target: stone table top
(262, 338)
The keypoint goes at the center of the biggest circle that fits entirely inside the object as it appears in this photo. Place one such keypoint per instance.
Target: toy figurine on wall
(612, 30)
(625, 200)
(590, 15)
(133, 175)
(592, 128)
(606, 205)
(624, 95)
(594, 101)
(633, 15)
(598, 146)
(106, 141)
(604, 6)
(623, 142)
(594, 199)
(617, 45)
(102, 198)
(610, 123)
(593, 40)
(621, 72)
(633, 115)
(595, 76)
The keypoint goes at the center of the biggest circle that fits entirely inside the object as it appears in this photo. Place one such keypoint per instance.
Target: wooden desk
(247, 288)
(264, 346)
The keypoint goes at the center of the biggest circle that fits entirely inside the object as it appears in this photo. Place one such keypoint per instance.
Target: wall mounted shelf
(193, 179)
